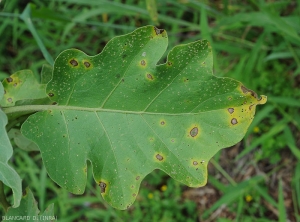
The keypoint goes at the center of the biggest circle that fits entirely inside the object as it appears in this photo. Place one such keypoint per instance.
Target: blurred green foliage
(256, 42)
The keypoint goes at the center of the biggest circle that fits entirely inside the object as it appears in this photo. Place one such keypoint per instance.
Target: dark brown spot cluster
(159, 157)
(194, 132)
(102, 187)
(73, 62)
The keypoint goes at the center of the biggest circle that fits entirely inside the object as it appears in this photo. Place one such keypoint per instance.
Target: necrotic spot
(87, 64)
(194, 132)
(234, 121)
(149, 76)
(9, 100)
(245, 91)
(73, 62)
(102, 187)
(9, 79)
(159, 157)
(50, 94)
(195, 163)
(143, 62)
(162, 123)
(230, 110)
(158, 31)
(137, 178)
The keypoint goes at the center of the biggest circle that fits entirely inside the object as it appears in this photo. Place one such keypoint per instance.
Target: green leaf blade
(29, 211)
(7, 174)
(129, 116)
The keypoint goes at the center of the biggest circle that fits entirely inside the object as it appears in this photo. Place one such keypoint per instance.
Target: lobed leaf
(7, 174)
(128, 116)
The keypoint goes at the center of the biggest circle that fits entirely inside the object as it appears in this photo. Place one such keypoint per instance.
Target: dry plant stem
(3, 200)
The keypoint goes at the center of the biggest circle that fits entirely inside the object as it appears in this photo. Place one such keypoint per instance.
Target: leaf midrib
(37, 108)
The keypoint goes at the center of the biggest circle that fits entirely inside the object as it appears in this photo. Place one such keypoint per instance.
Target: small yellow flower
(163, 188)
(256, 129)
(248, 198)
(150, 195)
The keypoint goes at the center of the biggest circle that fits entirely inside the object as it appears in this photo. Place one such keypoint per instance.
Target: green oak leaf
(7, 174)
(28, 210)
(128, 116)
(23, 88)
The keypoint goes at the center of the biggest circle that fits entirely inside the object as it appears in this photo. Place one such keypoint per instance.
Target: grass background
(254, 41)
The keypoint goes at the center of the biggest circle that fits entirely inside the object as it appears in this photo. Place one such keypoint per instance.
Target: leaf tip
(262, 100)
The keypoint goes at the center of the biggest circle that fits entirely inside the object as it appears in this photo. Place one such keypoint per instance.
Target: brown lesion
(9, 79)
(149, 76)
(230, 110)
(87, 64)
(194, 132)
(102, 186)
(159, 157)
(234, 121)
(73, 62)
(158, 31)
(143, 62)
(250, 107)
(245, 91)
